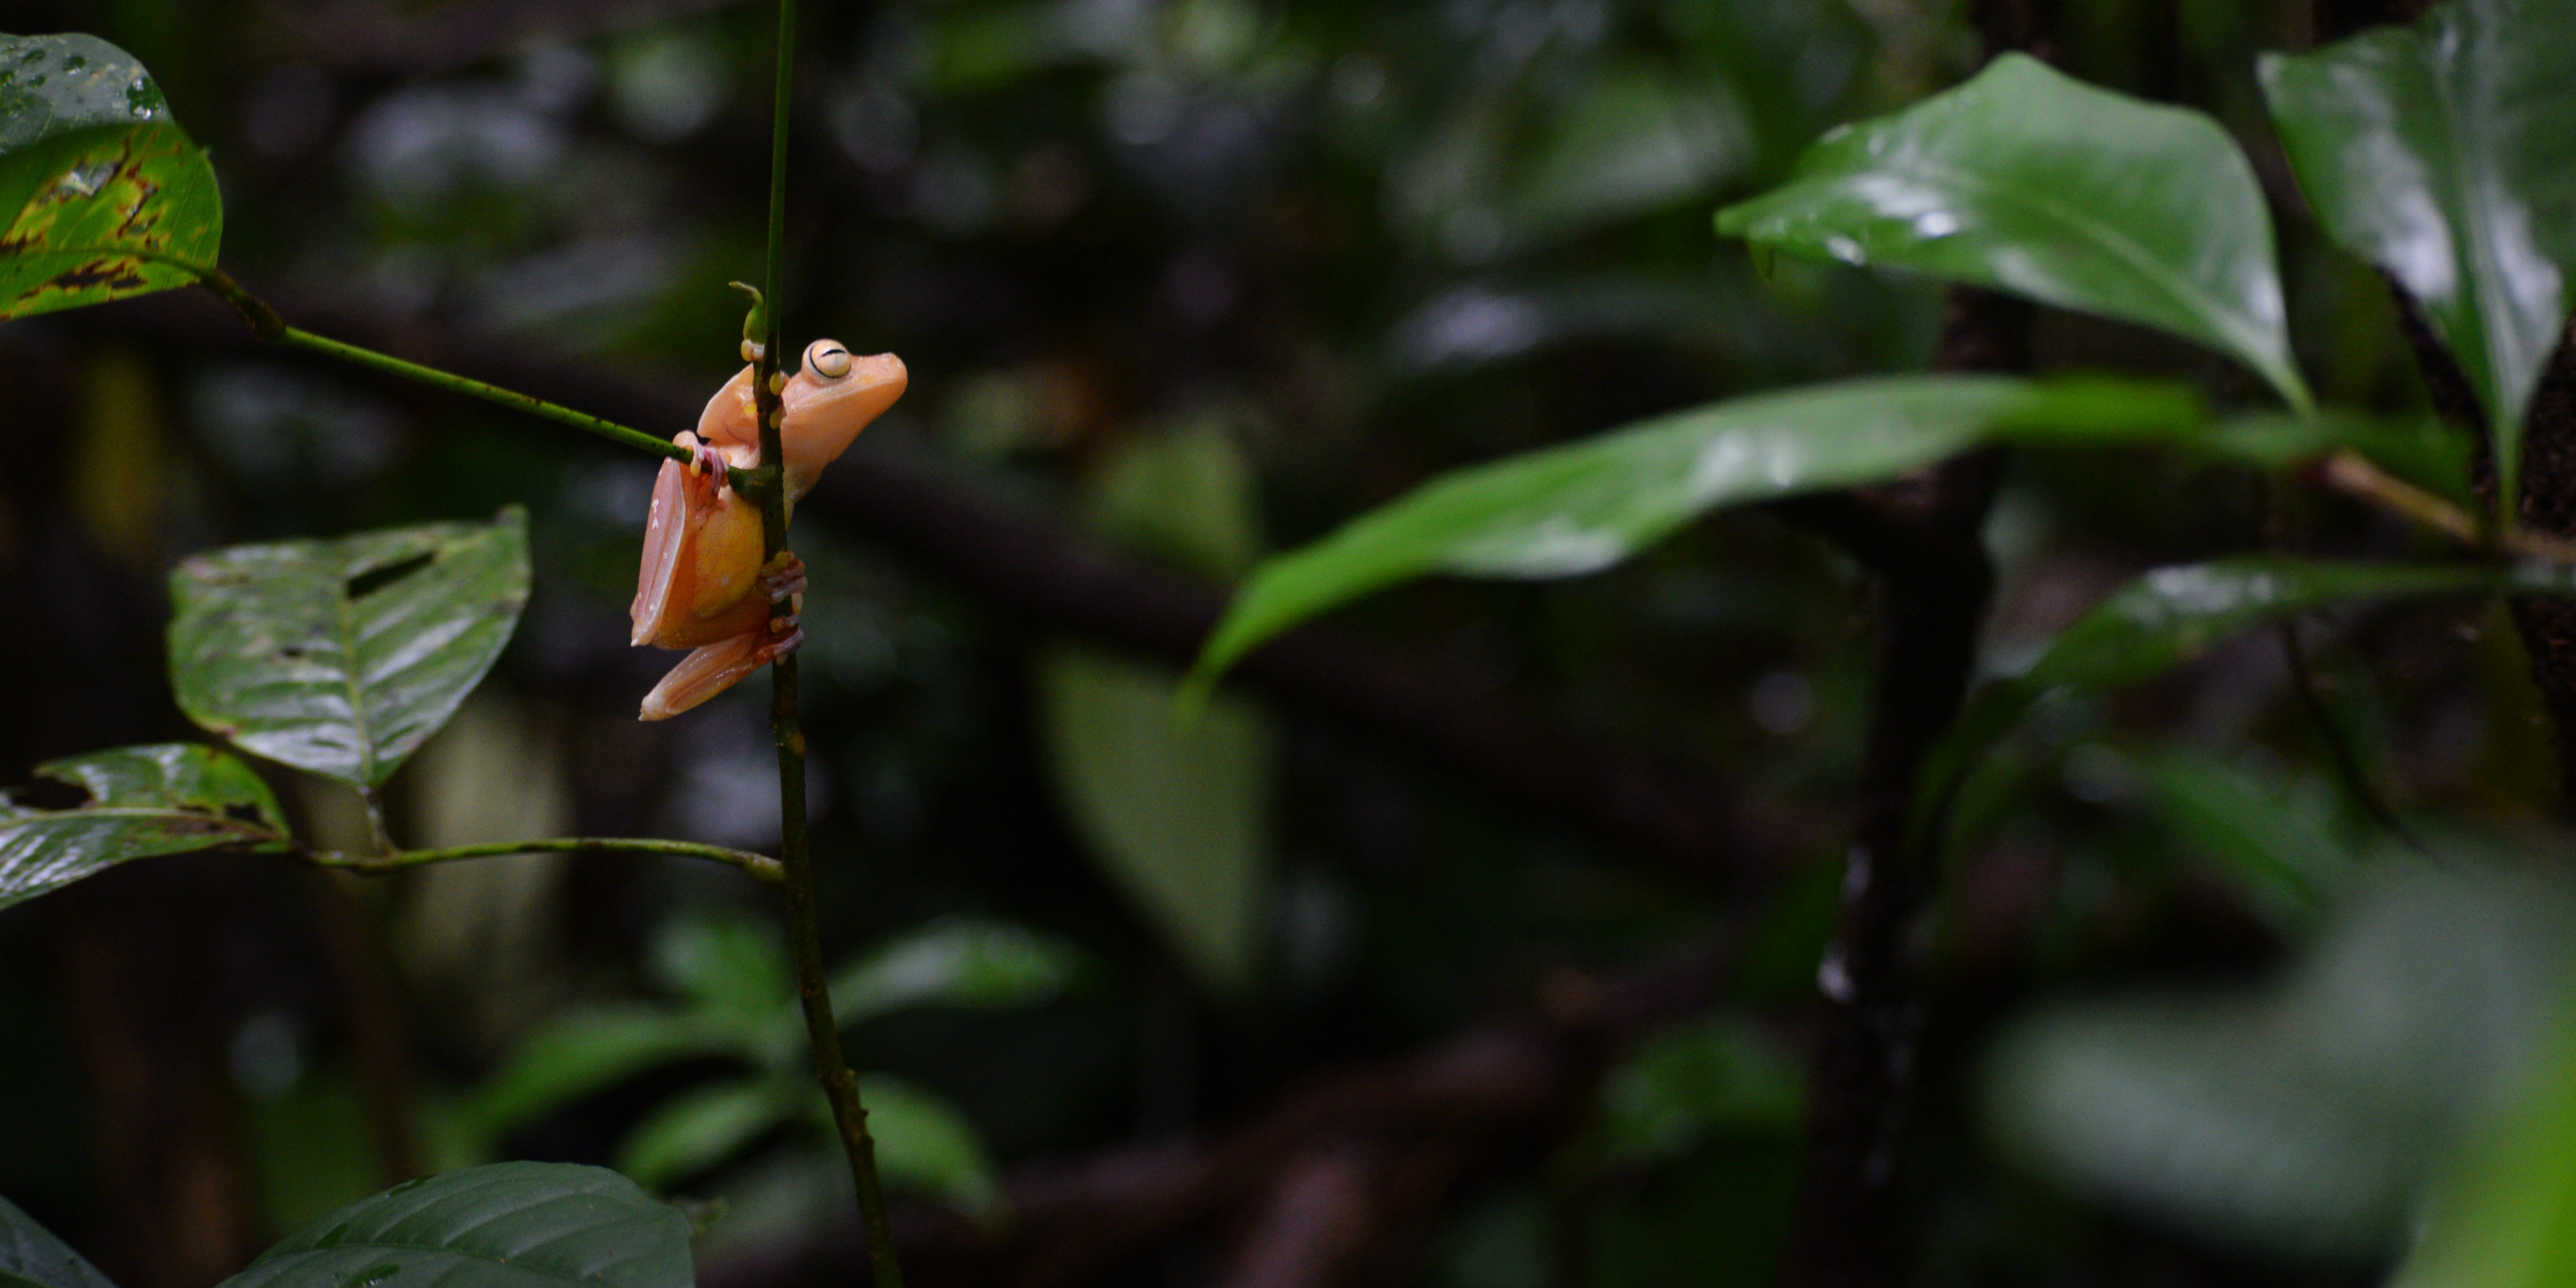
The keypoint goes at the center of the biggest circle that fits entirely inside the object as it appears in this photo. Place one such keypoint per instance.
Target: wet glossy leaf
(2026, 181)
(509, 1225)
(31, 1257)
(1570, 510)
(104, 197)
(173, 798)
(2172, 615)
(2445, 153)
(340, 657)
(587, 1051)
(984, 965)
(698, 1129)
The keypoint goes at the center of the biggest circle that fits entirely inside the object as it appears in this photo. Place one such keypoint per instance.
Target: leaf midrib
(345, 609)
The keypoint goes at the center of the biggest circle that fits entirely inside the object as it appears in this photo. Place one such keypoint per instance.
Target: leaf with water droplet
(2027, 181)
(101, 195)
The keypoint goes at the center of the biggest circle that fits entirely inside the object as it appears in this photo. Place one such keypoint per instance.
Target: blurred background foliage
(1202, 278)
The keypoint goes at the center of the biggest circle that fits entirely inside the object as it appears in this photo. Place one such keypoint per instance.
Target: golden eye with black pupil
(826, 358)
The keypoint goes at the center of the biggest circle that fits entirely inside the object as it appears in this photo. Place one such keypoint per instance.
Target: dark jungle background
(1473, 941)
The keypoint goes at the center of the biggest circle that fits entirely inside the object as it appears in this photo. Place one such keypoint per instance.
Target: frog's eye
(826, 358)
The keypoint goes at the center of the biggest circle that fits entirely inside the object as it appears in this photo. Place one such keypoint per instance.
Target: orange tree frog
(702, 543)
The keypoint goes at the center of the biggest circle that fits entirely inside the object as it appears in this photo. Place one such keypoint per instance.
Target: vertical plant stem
(804, 936)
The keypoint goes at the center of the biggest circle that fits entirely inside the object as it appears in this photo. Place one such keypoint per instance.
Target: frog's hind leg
(711, 670)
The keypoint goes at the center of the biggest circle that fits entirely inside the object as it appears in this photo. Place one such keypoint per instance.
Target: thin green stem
(266, 321)
(797, 889)
(760, 867)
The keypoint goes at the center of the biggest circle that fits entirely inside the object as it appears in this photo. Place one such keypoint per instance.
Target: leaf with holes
(2445, 153)
(31, 1257)
(2026, 181)
(1570, 510)
(509, 1225)
(103, 195)
(341, 656)
(172, 798)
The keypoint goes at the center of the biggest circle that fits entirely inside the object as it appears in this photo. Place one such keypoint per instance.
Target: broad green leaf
(1582, 507)
(2026, 181)
(31, 1257)
(508, 1225)
(693, 1132)
(926, 1143)
(732, 969)
(2445, 153)
(1178, 813)
(173, 798)
(103, 196)
(587, 1051)
(340, 657)
(2304, 1117)
(984, 965)
(2172, 615)
(2506, 1216)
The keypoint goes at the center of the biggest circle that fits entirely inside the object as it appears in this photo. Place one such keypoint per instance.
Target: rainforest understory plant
(2444, 154)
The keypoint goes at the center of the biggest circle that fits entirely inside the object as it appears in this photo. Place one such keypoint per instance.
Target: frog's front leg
(716, 667)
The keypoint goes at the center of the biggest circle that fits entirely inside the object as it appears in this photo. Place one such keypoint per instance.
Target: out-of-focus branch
(1035, 566)
(1317, 1190)
(1921, 541)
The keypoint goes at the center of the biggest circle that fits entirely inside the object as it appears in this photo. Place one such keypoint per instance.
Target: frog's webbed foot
(783, 577)
(706, 461)
(711, 670)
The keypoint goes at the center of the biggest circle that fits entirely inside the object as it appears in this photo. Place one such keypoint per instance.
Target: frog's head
(830, 400)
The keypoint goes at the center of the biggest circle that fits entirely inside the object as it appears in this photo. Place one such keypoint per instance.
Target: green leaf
(2303, 1118)
(31, 1257)
(509, 1225)
(104, 196)
(2421, 450)
(926, 1143)
(2445, 153)
(2026, 181)
(173, 798)
(586, 1051)
(342, 656)
(2286, 857)
(2506, 1217)
(2172, 615)
(968, 962)
(732, 969)
(1570, 510)
(699, 1129)
(1177, 813)
(1694, 1082)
